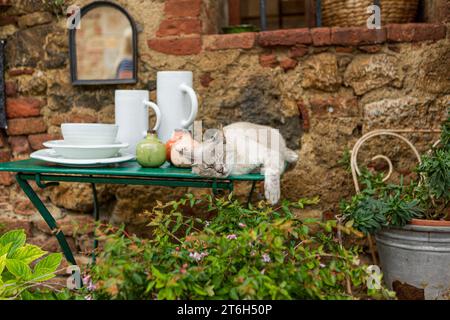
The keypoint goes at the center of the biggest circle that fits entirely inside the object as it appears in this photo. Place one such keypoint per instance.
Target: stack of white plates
(85, 145)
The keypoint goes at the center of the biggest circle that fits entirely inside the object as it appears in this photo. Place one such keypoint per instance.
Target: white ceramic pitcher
(177, 102)
(131, 112)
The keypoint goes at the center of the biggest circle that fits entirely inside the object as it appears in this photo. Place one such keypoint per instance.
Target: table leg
(96, 217)
(250, 196)
(39, 205)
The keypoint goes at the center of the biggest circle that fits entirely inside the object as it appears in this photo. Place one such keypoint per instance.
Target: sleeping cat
(240, 148)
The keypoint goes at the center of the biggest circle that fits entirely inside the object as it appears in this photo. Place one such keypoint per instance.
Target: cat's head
(209, 156)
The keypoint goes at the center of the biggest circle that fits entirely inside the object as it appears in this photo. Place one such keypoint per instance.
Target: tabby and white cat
(242, 148)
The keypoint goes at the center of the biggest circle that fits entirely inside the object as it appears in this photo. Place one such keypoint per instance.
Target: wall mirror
(103, 48)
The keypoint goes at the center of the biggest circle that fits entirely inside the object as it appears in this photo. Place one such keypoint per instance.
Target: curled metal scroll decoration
(383, 132)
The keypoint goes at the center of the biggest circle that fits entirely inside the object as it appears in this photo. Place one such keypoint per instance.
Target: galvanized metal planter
(418, 256)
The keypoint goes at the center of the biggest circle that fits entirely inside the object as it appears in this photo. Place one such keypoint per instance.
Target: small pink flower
(231, 237)
(197, 256)
(266, 258)
(242, 225)
(86, 279)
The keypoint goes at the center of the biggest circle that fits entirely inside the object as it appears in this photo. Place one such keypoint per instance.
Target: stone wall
(323, 88)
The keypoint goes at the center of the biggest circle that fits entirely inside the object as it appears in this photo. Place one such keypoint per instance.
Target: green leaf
(4, 249)
(16, 237)
(28, 253)
(19, 269)
(199, 290)
(49, 263)
(2, 264)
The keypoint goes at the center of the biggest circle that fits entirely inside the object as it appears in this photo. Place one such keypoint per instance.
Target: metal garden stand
(129, 173)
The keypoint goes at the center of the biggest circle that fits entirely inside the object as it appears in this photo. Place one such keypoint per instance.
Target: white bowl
(70, 151)
(89, 133)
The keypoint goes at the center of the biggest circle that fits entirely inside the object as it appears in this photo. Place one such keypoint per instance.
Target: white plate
(50, 155)
(74, 151)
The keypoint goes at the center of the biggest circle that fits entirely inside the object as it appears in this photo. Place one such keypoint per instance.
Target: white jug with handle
(131, 112)
(177, 102)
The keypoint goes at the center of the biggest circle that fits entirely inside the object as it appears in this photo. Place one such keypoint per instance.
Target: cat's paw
(272, 186)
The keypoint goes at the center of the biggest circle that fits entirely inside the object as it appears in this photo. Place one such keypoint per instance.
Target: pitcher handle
(194, 105)
(155, 108)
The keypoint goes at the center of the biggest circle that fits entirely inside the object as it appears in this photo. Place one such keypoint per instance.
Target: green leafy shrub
(434, 189)
(19, 273)
(241, 253)
(380, 205)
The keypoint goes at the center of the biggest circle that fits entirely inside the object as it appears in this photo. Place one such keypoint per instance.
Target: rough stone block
(369, 72)
(34, 19)
(321, 72)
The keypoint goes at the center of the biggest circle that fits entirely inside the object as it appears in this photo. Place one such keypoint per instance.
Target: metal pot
(417, 255)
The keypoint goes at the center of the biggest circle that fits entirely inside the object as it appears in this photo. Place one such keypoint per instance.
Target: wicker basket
(347, 13)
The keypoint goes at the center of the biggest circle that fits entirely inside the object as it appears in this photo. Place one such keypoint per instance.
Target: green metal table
(128, 173)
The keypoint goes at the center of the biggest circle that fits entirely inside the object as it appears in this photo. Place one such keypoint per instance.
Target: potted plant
(411, 224)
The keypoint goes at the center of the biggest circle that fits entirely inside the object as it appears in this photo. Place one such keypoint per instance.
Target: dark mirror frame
(73, 48)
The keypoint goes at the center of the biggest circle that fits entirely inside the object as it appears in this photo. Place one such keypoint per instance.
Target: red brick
(5, 155)
(19, 72)
(298, 51)
(288, 37)
(5, 20)
(334, 106)
(71, 224)
(352, 36)
(19, 145)
(51, 244)
(10, 223)
(10, 88)
(183, 8)
(230, 41)
(2, 139)
(36, 140)
(414, 32)
(24, 126)
(24, 207)
(6, 179)
(344, 49)
(73, 117)
(321, 36)
(23, 107)
(288, 64)
(371, 49)
(177, 46)
(304, 115)
(268, 60)
(175, 27)
(205, 79)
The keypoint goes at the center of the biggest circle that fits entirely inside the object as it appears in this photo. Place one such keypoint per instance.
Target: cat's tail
(290, 156)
